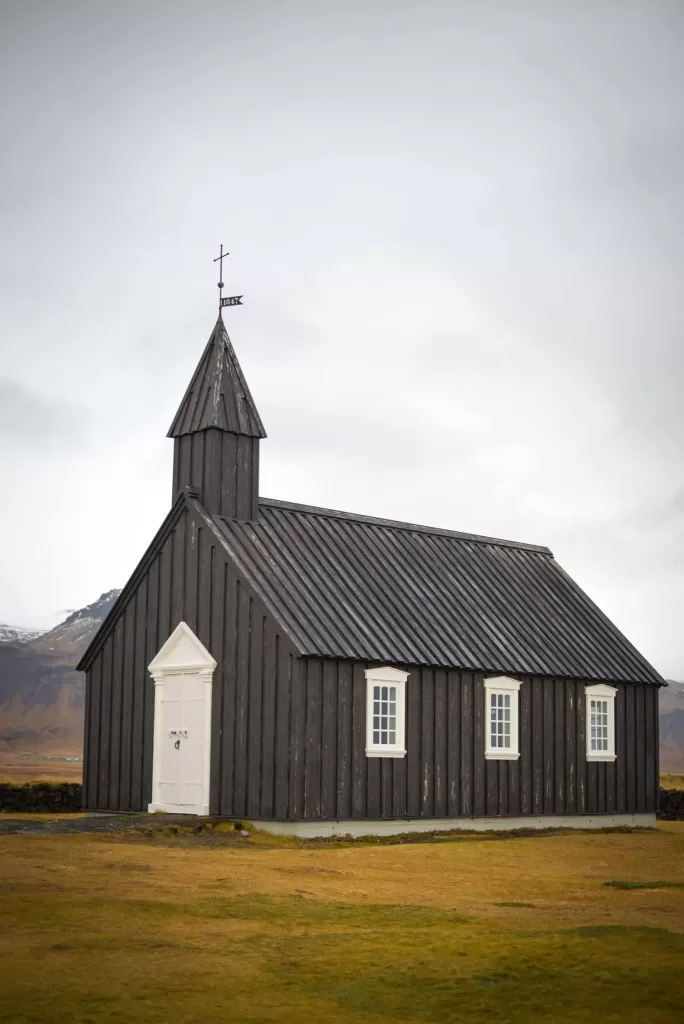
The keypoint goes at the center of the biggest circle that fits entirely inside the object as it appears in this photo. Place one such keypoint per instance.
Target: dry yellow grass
(104, 929)
(670, 781)
(40, 815)
(20, 768)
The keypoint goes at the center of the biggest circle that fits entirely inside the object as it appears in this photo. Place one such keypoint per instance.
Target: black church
(317, 671)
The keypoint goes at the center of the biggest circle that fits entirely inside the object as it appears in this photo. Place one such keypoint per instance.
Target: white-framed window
(600, 722)
(385, 712)
(502, 695)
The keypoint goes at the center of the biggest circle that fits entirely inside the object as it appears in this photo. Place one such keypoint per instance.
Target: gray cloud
(36, 421)
(459, 229)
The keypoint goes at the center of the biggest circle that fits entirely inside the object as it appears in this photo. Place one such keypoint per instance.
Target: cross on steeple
(232, 300)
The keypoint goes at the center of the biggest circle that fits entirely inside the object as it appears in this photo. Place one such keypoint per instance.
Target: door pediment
(183, 651)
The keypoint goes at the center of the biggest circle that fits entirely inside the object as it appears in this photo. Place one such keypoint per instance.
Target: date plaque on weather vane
(230, 300)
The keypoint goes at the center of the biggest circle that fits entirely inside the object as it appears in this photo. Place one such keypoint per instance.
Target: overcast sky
(459, 231)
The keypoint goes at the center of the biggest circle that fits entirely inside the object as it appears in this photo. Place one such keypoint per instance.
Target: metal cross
(233, 300)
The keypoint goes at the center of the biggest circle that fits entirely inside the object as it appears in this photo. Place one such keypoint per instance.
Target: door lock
(177, 744)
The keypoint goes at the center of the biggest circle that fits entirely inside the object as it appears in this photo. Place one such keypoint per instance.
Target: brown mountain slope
(41, 694)
(671, 702)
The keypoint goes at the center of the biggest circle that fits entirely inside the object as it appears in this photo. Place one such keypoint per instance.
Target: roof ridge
(397, 524)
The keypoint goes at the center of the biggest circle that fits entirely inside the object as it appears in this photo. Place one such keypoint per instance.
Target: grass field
(189, 929)
(669, 781)
(20, 768)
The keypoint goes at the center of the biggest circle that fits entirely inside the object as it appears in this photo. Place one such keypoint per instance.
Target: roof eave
(110, 619)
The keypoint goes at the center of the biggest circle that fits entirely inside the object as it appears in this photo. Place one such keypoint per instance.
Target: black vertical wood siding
(190, 580)
(445, 772)
(222, 468)
(289, 734)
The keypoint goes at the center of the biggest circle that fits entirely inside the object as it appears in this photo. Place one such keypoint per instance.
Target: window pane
(376, 721)
(393, 692)
(384, 693)
(383, 738)
(376, 736)
(393, 737)
(376, 693)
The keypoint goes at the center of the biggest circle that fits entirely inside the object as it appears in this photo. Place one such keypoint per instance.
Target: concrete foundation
(397, 826)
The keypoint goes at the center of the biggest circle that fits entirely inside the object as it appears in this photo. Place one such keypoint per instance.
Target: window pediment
(502, 683)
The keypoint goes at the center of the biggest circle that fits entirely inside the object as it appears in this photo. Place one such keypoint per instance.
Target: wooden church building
(317, 672)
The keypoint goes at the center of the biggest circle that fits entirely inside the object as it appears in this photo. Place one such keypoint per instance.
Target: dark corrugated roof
(348, 586)
(218, 395)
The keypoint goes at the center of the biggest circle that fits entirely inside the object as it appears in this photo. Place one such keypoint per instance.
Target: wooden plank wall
(445, 773)
(289, 735)
(190, 580)
(222, 468)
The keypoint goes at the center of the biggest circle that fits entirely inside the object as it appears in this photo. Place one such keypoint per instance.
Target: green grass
(108, 930)
(644, 885)
(513, 903)
(289, 959)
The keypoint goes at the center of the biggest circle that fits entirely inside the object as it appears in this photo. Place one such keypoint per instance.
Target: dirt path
(90, 823)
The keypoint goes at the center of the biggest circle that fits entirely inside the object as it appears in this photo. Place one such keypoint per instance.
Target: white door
(181, 785)
(182, 672)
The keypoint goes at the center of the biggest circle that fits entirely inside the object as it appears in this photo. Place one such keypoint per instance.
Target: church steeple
(216, 434)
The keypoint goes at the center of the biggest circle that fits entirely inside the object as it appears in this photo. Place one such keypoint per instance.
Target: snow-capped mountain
(41, 694)
(18, 634)
(78, 629)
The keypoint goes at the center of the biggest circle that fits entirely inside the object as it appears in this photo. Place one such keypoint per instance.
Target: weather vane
(230, 300)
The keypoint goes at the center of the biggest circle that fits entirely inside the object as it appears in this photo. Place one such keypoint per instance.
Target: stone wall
(40, 797)
(671, 804)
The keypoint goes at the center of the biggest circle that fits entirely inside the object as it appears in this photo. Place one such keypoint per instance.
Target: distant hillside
(41, 694)
(672, 727)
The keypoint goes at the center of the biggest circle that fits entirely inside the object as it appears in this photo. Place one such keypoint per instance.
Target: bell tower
(217, 430)
(216, 434)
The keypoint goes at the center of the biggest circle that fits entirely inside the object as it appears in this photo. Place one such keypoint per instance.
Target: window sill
(501, 755)
(601, 757)
(382, 752)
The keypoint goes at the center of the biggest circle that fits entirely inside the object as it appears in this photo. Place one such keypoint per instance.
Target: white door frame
(182, 653)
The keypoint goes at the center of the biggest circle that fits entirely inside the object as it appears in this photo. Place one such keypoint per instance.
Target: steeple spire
(218, 395)
(217, 430)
